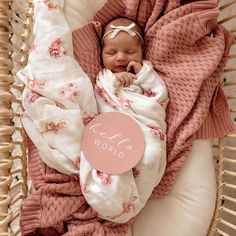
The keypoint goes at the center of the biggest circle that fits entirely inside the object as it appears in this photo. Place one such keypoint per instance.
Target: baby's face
(119, 51)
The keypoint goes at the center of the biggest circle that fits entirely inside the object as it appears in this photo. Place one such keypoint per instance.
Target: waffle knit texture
(57, 206)
(189, 61)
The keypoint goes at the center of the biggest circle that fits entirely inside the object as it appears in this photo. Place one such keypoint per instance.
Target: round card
(113, 143)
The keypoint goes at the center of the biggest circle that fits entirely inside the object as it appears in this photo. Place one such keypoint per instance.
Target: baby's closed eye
(110, 52)
(131, 51)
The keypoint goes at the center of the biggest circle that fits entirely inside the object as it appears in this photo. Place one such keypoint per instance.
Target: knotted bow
(118, 28)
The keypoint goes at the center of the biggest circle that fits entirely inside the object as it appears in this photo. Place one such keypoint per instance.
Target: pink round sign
(113, 143)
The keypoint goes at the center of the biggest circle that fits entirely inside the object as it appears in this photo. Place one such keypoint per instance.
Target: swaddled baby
(128, 84)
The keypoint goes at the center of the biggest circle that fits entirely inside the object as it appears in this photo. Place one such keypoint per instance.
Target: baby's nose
(121, 56)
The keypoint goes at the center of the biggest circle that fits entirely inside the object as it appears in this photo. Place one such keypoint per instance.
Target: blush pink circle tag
(113, 143)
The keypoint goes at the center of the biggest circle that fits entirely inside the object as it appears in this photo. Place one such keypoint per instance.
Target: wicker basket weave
(16, 19)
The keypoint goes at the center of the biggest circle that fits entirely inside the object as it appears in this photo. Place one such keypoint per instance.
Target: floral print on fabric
(70, 91)
(105, 178)
(52, 4)
(31, 96)
(148, 92)
(127, 205)
(135, 172)
(124, 101)
(87, 117)
(57, 48)
(34, 83)
(56, 126)
(101, 92)
(157, 132)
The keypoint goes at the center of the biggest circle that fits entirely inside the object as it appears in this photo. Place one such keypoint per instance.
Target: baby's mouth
(121, 67)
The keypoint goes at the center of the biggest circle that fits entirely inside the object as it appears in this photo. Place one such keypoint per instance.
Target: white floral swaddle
(119, 198)
(58, 97)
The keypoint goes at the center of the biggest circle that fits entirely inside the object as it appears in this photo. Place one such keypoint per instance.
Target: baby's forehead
(122, 39)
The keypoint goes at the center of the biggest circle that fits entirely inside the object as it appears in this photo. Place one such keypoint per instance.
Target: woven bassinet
(16, 19)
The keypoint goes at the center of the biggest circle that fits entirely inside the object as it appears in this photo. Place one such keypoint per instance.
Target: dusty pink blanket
(179, 45)
(189, 51)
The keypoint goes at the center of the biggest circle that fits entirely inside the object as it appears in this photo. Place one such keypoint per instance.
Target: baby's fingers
(134, 67)
(129, 79)
(131, 67)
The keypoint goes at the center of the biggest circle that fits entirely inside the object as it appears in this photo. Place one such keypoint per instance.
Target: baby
(122, 51)
(128, 84)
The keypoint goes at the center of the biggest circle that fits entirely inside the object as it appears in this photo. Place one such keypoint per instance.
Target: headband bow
(118, 28)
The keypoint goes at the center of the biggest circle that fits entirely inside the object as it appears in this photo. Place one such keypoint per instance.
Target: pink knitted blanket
(189, 59)
(188, 50)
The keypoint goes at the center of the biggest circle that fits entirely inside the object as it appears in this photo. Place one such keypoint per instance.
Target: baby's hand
(125, 78)
(135, 66)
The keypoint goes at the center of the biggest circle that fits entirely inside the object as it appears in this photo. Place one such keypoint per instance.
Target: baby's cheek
(107, 63)
(137, 59)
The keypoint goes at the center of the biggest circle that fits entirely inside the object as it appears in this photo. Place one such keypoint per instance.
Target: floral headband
(118, 28)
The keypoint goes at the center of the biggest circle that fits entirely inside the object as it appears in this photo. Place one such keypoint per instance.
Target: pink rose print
(52, 5)
(148, 92)
(56, 126)
(124, 101)
(135, 172)
(34, 83)
(70, 91)
(105, 178)
(127, 206)
(102, 93)
(57, 49)
(87, 117)
(157, 132)
(31, 96)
